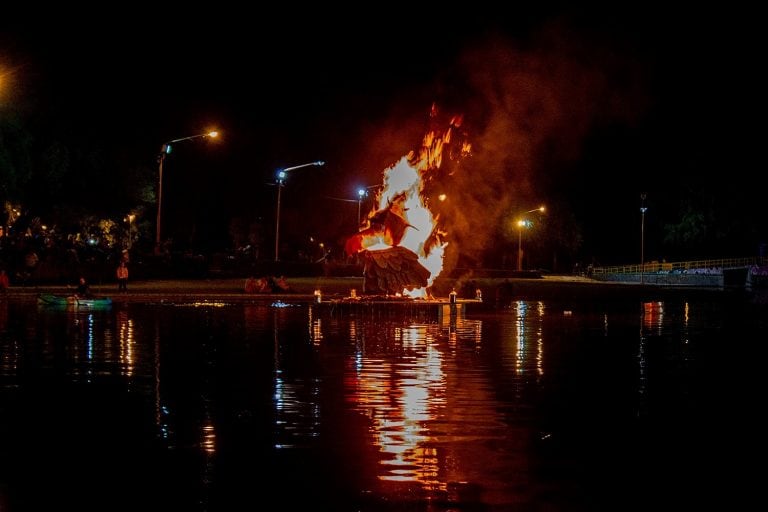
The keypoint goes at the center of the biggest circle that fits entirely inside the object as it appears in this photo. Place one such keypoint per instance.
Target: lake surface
(531, 405)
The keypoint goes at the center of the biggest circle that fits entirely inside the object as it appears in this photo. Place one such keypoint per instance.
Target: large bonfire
(402, 246)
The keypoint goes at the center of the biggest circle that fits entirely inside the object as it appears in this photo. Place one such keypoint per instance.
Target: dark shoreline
(493, 290)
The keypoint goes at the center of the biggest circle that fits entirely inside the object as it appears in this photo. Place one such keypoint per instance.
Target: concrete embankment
(723, 278)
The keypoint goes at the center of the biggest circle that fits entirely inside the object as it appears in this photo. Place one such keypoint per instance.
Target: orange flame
(407, 178)
(403, 217)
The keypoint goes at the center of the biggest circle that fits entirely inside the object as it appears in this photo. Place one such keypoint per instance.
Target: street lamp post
(130, 218)
(165, 149)
(520, 224)
(361, 193)
(282, 174)
(524, 223)
(643, 209)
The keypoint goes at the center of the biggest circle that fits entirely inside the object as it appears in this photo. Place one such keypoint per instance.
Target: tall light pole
(130, 218)
(361, 193)
(643, 209)
(165, 150)
(282, 174)
(524, 223)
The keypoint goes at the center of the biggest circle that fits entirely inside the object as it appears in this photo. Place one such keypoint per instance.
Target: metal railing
(681, 266)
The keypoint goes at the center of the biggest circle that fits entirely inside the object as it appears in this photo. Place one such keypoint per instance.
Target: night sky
(580, 109)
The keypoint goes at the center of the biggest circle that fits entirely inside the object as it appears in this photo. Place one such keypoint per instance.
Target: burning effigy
(388, 268)
(401, 245)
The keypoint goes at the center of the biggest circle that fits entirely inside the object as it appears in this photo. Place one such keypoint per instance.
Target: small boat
(73, 301)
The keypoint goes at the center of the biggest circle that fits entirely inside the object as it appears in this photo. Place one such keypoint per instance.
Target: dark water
(548, 406)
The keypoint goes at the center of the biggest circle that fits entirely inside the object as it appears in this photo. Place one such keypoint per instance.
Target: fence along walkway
(683, 267)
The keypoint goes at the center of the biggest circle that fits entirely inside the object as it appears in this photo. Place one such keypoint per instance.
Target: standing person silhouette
(122, 277)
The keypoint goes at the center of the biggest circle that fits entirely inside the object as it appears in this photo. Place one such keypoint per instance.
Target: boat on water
(73, 301)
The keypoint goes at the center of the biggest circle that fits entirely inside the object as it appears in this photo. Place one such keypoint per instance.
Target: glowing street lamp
(282, 174)
(164, 151)
(524, 223)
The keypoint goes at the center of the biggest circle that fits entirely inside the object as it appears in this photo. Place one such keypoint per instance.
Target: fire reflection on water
(653, 317)
(402, 405)
(425, 396)
(402, 378)
(399, 398)
(411, 377)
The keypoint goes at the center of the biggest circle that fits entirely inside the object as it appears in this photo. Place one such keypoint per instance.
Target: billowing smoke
(528, 111)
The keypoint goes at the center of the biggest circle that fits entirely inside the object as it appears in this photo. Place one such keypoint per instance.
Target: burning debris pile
(402, 247)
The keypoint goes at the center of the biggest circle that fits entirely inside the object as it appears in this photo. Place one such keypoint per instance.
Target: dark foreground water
(550, 406)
